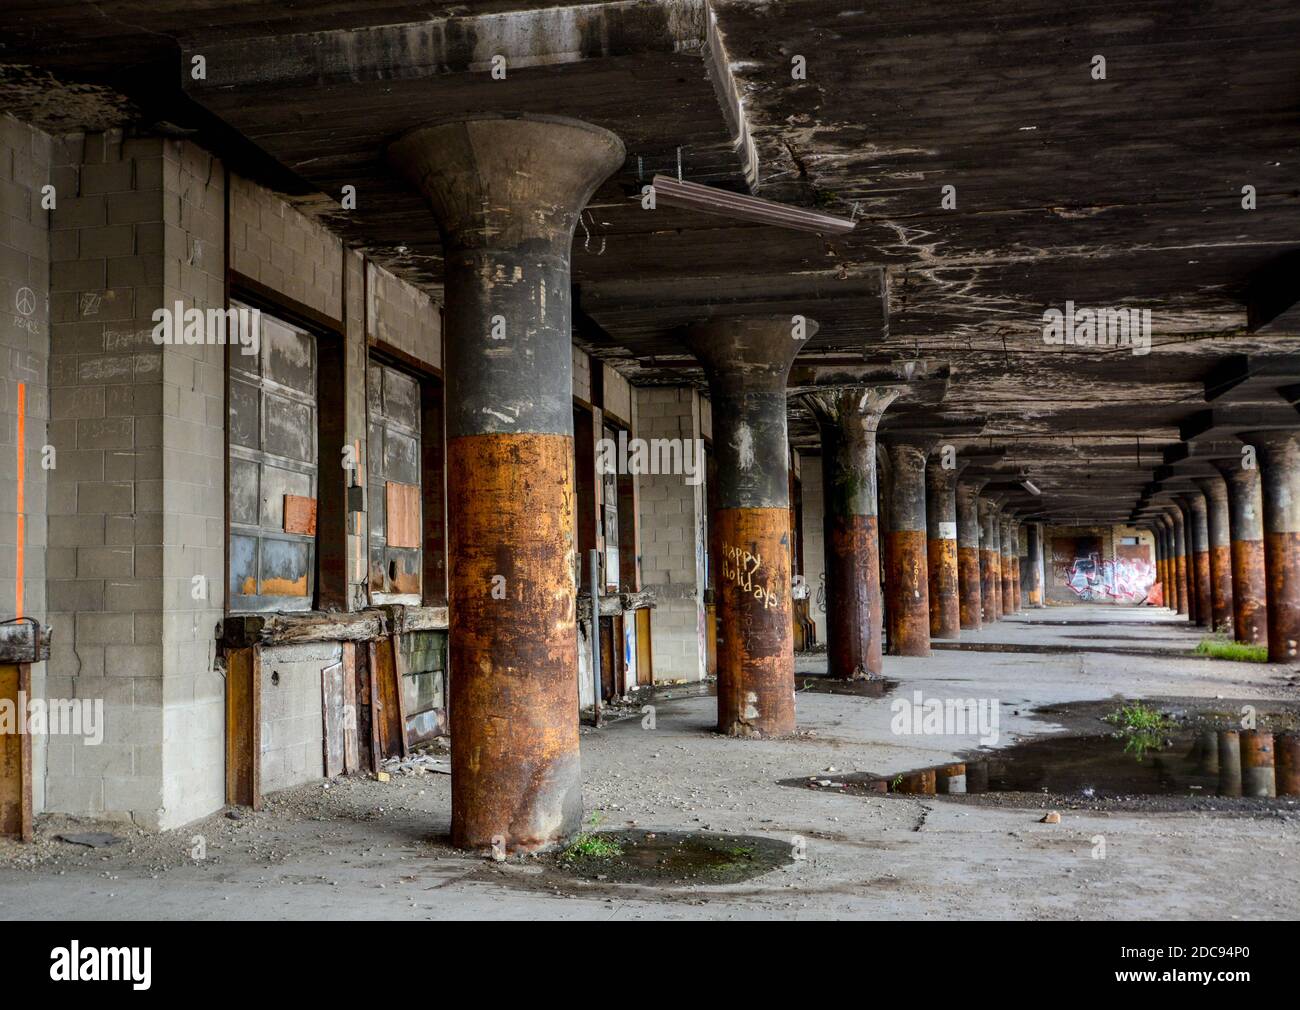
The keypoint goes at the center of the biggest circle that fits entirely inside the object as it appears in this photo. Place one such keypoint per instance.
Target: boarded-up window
(273, 469)
(393, 466)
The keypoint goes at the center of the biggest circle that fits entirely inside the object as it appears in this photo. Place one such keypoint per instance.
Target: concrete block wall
(292, 727)
(107, 492)
(193, 508)
(25, 346)
(672, 539)
(402, 316)
(273, 244)
(137, 499)
(814, 542)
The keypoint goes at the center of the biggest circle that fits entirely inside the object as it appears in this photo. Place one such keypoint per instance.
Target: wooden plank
(351, 745)
(645, 671)
(402, 518)
(376, 707)
(300, 515)
(332, 719)
(241, 731)
(16, 754)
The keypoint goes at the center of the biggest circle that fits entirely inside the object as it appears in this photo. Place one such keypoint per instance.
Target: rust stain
(283, 587)
(1249, 592)
(945, 603)
(1282, 563)
(853, 613)
(1180, 581)
(990, 594)
(968, 582)
(1221, 587)
(755, 637)
(907, 583)
(513, 642)
(1201, 578)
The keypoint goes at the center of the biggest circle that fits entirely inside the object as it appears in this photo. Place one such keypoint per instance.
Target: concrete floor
(364, 849)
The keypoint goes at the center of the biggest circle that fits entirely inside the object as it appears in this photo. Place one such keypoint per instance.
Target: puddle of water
(668, 858)
(1226, 763)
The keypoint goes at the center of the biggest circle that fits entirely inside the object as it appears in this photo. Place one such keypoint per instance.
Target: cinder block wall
(137, 500)
(672, 539)
(25, 337)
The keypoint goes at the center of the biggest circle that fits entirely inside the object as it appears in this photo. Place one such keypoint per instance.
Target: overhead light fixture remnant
(1031, 487)
(709, 200)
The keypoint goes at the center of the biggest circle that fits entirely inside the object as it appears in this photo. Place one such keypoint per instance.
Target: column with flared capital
(941, 551)
(1198, 556)
(847, 419)
(506, 192)
(1215, 491)
(968, 553)
(1279, 469)
(1246, 530)
(907, 576)
(746, 360)
(990, 561)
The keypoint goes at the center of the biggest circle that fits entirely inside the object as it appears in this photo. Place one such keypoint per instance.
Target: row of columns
(506, 192)
(1228, 553)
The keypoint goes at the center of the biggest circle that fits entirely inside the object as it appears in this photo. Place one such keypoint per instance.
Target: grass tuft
(1241, 652)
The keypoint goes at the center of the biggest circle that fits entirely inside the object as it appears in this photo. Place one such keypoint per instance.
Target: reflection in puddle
(1247, 763)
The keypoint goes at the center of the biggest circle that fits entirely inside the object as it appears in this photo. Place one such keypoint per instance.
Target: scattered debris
(1051, 817)
(416, 764)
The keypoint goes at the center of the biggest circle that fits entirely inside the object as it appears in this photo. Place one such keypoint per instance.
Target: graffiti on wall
(1122, 580)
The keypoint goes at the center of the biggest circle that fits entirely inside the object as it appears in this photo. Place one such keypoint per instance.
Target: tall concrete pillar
(968, 553)
(907, 578)
(1034, 585)
(1246, 528)
(1198, 556)
(941, 549)
(990, 561)
(1166, 522)
(1180, 560)
(1220, 550)
(1279, 467)
(507, 192)
(1007, 574)
(746, 360)
(1158, 534)
(854, 627)
(1015, 566)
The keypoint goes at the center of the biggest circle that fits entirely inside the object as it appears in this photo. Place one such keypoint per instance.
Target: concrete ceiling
(1124, 192)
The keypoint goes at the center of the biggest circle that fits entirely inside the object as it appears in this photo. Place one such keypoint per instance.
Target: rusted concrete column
(1034, 576)
(1007, 574)
(854, 628)
(968, 553)
(1198, 557)
(907, 581)
(1171, 561)
(1015, 566)
(1216, 514)
(507, 192)
(1180, 559)
(1158, 533)
(1246, 528)
(1279, 469)
(941, 548)
(746, 360)
(990, 561)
